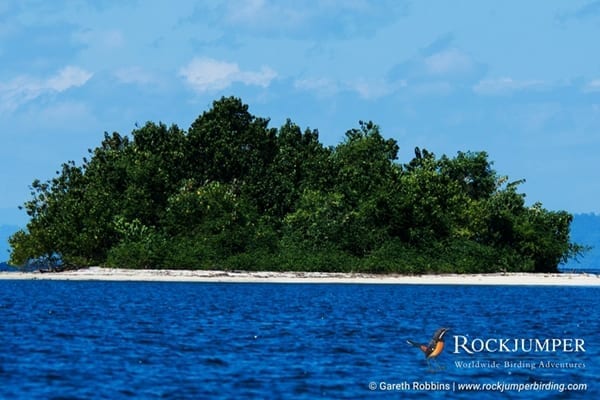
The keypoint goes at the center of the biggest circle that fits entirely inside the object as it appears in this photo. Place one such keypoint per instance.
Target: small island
(231, 193)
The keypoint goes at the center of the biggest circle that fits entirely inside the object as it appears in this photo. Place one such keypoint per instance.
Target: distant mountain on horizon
(585, 230)
(5, 232)
(4, 267)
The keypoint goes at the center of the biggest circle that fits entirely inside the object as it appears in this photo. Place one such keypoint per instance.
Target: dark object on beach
(58, 268)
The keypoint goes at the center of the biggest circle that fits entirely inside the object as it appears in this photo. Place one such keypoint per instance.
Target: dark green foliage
(300, 163)
(232, 193)
(227, 144)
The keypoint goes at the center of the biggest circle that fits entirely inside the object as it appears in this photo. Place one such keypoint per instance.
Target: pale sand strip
(109, 274)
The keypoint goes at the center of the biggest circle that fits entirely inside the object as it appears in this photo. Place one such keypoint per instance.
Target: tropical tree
(228, 144)
(301, 163)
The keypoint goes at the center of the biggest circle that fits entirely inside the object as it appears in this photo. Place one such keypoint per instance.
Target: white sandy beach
(110, 274)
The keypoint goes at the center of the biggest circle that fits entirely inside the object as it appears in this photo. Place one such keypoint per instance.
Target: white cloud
(134, 75)
(317, 20)
(247, 10)
(592, 86)
(109, 39)
(435, 88)
(502, 86)
(367, 89)
(438, 69)
(370, 90)
(207, 74)
(23, 89)
(321, 86)
(66, 78)
(448, 62)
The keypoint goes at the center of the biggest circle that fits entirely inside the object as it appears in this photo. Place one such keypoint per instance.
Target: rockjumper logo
(435, 346)
(517, 345)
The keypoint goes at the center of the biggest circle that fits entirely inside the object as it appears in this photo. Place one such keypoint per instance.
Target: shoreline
(134, 275)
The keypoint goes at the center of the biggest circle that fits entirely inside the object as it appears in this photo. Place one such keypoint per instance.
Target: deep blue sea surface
(114, 340)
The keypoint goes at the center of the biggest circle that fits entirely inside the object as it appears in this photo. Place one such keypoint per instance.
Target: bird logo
(434, 348)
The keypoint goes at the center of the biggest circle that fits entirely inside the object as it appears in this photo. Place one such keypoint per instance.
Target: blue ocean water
(65, 340)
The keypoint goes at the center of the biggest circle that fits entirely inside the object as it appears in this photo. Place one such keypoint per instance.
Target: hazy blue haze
(585, 230)
(195, 340)
(5, 232)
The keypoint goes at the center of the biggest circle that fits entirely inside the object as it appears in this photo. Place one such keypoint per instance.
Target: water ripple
(177, 340)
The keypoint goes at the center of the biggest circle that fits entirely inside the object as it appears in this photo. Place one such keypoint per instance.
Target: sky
(517, 79)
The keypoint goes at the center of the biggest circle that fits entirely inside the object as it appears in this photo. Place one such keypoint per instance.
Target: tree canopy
(231, 192)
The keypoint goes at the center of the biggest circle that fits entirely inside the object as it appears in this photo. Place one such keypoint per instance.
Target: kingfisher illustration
(435, 346)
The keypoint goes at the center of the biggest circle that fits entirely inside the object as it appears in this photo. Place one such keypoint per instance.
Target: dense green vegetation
(233, 193)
